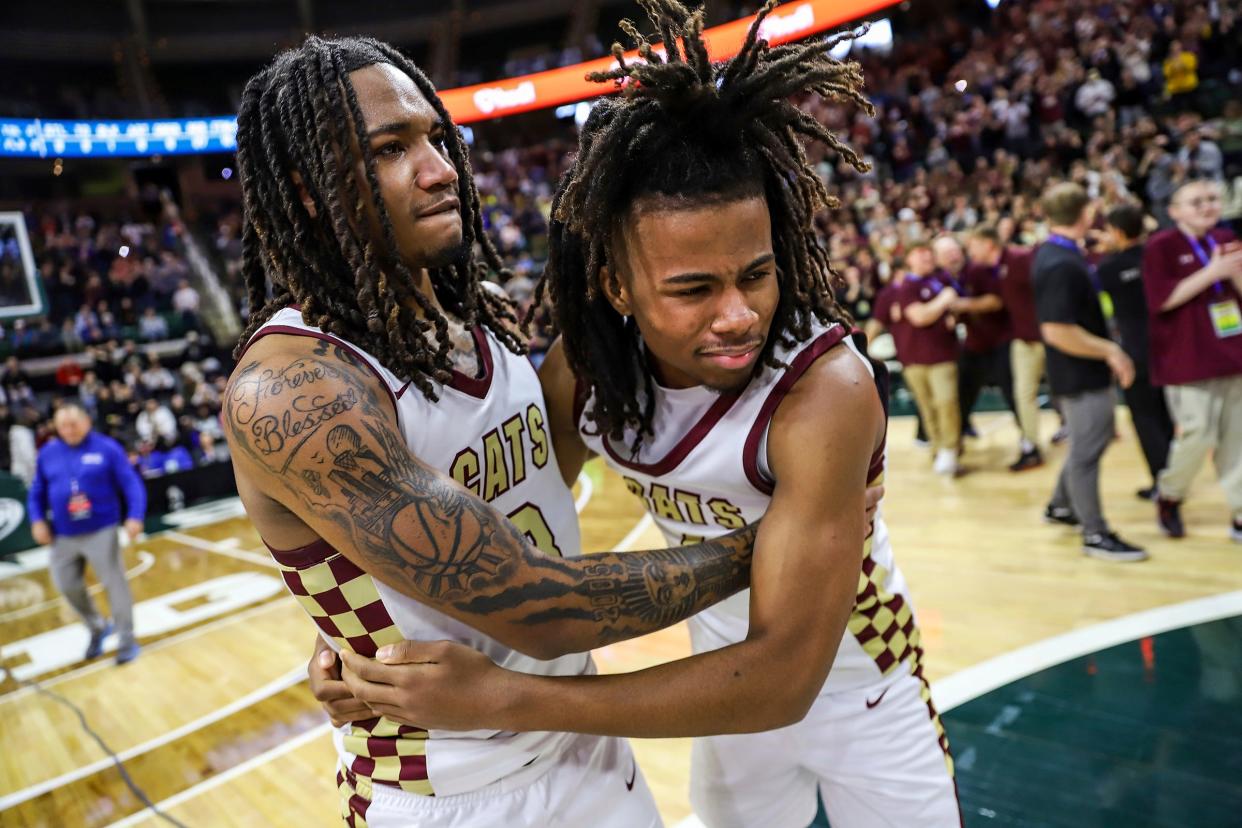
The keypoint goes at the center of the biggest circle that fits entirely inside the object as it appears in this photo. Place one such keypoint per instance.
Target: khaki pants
(1027, 360)
(935, 392)
(1208, 416)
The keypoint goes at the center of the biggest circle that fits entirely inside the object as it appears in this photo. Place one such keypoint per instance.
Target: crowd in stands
(165, 409)
(104, 280)
(1127, 98)
(974, 119)
(122, 335)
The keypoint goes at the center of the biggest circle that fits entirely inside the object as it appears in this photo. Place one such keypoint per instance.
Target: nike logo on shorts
(629, 785)
(878, 699)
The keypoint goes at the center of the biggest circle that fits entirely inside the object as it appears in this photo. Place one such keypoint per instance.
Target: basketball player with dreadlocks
(717, 375)
(383, 424)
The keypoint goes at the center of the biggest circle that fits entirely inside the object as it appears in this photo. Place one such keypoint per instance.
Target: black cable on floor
(116, 760)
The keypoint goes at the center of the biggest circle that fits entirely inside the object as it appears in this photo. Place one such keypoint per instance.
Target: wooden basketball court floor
(215, 722)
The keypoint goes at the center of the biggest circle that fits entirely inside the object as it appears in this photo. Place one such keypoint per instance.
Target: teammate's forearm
(539, 604)
(548, 606)
(736, 689)
(578, 604)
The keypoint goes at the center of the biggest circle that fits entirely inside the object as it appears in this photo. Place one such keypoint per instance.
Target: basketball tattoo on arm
(317, 427)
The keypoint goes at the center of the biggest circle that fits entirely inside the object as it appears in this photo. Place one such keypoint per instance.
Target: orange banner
(788, 22)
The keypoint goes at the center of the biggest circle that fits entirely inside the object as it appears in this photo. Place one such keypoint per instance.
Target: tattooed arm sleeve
(313, 429)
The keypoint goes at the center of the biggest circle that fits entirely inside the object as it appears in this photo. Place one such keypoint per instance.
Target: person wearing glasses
(1192, 275)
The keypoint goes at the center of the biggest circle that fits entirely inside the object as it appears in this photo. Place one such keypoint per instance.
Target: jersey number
(529, 518)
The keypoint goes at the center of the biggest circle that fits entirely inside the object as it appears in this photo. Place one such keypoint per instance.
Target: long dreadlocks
(299, 115)
(687, 130)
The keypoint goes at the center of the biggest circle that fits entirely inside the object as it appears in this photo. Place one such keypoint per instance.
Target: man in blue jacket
(82, 478)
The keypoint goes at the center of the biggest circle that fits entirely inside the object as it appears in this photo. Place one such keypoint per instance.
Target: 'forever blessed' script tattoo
(306, 412)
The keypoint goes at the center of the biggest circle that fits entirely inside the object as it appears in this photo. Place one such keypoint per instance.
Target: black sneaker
(1169, 517)
(1108, 547)
(968, 430)
(1235, 531)
(1028, 460)
(1060, 514)
(1146, 494)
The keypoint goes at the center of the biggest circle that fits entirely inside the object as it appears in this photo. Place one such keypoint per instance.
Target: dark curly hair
(300, 115)
(685, 129)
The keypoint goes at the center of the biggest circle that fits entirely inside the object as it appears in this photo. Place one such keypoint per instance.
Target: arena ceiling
(90, 31)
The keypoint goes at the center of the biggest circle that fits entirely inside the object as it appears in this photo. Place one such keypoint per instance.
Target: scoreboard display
(39, 138)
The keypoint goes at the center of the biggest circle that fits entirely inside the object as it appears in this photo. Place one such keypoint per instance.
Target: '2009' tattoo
(421, 533)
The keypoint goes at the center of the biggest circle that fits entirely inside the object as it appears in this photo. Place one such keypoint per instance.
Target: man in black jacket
(1121, 275)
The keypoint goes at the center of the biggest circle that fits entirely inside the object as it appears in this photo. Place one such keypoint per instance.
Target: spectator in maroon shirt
(929, 365)
(886, 316)
(985, 352)
(1192, 274)
(1012, 266)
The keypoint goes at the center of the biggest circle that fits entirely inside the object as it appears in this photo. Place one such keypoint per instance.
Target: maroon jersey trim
(797, 367)
(687, 443)
(581, 393)
(882, 387)
(317, 551)
(476, 387)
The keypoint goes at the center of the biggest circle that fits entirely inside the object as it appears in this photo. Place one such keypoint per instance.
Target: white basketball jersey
(704, 473)
(490, 434)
